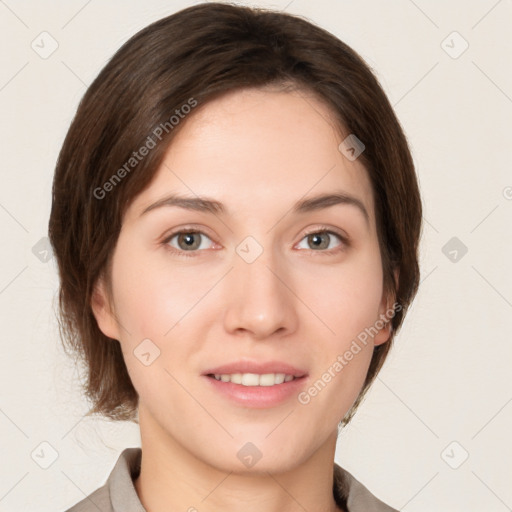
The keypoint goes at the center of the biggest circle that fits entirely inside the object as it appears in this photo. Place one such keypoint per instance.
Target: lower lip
(258, 397)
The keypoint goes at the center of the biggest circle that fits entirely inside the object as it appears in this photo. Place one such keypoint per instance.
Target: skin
(258, 152)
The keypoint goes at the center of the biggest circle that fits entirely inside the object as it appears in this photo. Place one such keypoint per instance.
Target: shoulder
(98, 500)
(118, 493)
(354, 495)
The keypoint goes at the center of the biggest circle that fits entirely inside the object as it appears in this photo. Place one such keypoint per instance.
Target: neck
(173, 478)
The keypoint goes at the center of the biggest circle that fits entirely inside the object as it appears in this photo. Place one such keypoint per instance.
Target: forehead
(256, 147)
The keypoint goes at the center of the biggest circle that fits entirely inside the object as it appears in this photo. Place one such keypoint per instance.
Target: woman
(236, 220)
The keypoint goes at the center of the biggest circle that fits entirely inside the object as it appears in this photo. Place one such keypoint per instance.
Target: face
(252, 280)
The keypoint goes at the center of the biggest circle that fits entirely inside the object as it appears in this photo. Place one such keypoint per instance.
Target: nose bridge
(258, 296)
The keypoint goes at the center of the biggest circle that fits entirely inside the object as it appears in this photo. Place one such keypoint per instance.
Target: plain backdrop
(434, 432)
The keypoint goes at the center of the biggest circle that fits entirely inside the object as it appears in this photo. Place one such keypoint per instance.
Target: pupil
(317, 240)
(188, 239)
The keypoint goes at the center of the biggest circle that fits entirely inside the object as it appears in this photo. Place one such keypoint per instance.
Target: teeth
(254, 379)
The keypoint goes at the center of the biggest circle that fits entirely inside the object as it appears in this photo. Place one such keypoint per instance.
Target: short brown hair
(202, 52)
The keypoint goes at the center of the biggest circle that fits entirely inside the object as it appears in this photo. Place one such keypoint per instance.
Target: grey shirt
(118, 494)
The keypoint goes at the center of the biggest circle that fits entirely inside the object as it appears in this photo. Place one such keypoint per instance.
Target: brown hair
(196, 55)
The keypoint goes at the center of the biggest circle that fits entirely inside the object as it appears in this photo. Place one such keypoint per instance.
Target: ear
(386, 304)
(102, 311)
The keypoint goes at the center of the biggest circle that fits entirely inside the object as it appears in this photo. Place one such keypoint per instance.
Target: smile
(253, 379)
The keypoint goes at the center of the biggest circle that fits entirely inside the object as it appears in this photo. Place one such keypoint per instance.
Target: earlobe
(386, 313)
(385, 329)
(101, 309)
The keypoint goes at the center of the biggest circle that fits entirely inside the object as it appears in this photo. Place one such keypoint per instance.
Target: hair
(189, 58)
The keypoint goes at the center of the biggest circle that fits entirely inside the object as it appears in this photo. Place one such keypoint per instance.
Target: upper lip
(258, 367)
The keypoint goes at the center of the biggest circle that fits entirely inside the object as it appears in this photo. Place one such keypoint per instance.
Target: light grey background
(447, 379)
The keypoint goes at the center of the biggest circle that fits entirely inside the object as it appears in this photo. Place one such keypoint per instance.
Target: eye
(320, 241)
(187, 240)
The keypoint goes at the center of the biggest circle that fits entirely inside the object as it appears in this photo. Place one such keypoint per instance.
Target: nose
(260, 299)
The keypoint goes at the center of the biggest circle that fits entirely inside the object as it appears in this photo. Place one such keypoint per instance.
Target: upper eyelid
(189, 229)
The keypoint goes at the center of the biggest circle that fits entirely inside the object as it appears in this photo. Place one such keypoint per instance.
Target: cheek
(156, 302)
(151, 296)
(347, 303)
(346, 297)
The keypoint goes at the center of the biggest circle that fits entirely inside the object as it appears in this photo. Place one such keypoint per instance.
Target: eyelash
(316, 231)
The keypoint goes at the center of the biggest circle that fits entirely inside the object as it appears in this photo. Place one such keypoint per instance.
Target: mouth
(256, 384)
(256, 391)
(254, 379)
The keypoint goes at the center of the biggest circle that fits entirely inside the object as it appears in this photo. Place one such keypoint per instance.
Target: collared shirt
(118, 494)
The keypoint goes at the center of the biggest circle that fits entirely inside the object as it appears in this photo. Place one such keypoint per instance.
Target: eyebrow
(207, 205)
